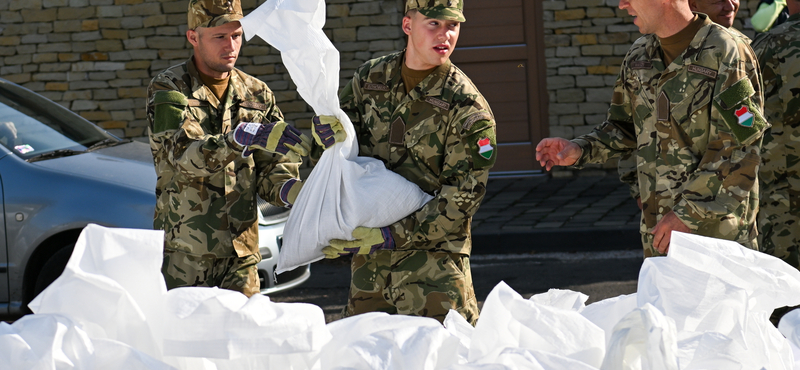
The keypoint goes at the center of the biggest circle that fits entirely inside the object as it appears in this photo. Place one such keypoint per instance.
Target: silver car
(58, 173)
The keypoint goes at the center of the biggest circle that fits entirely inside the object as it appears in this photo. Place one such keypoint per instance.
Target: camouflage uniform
(206, 191)
(440, 136)
(779, 217)
(626, 167)
(694, 157)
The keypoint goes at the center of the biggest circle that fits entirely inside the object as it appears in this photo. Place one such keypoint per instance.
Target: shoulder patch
(375, 87)
(742, 116)
(483, 148)
(641, 64)
(475, 117)
(169, 110)
(702, 70)
(253, 105)
(437, 102)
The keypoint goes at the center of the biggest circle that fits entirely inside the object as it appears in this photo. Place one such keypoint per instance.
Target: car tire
(52, 268)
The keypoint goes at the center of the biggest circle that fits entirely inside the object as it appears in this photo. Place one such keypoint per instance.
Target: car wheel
(53, 268)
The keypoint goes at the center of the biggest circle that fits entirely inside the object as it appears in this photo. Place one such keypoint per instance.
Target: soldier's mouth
(441, 49)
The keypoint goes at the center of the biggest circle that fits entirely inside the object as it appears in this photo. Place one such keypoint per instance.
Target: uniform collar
(692, 53)
(433, 85)
(203, 93)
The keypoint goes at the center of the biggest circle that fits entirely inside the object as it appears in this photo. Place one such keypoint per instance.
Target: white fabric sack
(561, 298)
(713, 285)
(343, 191)
(377, 340)
(52, 341)
(510, 321)
(789, 326)
(112, 286)
(643, 339)
(223, 324)
(608, 312)
(458, 326)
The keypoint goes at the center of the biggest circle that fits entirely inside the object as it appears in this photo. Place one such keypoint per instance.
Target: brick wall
(96, 57)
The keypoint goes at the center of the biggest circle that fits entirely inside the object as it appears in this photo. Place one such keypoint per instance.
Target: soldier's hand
(327, 131)
(367, 240)
(556, 151)
(662, 233)
(277, 137)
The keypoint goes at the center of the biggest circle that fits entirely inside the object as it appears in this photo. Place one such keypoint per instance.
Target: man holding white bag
(423, 117)
(218, 141)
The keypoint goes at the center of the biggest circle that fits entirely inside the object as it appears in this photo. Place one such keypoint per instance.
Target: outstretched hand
(556, 151)
(662, 232)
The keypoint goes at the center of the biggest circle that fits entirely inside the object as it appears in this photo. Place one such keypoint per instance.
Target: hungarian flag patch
(485, 148)
(745, 117)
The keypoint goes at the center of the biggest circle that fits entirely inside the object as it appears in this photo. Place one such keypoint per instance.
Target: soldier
(779, 216)
(218, 141)
(424, 118)
(721, 12)
(688, 100)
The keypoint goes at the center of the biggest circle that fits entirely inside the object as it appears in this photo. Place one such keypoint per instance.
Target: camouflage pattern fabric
(206, 191)
(451, 10)
(779, 217)
(213, 13)
(234, 273)
(696, 126)
(626, 167)
(416, 283)
(440, 136)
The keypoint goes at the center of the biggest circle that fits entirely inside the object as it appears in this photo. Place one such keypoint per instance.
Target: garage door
(501, 48)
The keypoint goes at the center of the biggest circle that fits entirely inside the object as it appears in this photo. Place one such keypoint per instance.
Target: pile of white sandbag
(705, 306)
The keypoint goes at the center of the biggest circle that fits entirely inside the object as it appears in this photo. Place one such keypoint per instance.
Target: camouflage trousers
(233, 273)
(416, 283)
(779, 223)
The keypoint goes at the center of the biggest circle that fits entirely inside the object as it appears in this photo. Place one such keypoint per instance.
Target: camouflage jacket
(779, 54)
(697, 127)
(440, 136)
(206, 191)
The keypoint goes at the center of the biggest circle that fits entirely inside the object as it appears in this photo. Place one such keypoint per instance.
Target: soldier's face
(430, 41)
(647, 14)
(721, 12)
(216, 48)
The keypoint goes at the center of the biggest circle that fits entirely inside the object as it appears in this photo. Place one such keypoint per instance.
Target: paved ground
(585, 212)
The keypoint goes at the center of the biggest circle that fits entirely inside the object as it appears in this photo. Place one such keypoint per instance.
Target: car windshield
(34, 127)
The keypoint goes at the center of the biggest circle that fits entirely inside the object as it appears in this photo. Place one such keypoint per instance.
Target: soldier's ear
(407, 25)
(193, 36)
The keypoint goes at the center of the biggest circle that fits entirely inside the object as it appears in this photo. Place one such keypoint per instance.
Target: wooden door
(501, 48)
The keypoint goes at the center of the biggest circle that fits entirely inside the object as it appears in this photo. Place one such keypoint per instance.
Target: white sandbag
(510, 321)
(377, 340)
(712, 285)
(223, 324)
(561, 298)
(458, 326)
(608, 312)
(643, 339)
(343, 191)
(51, 341)
(112, 286)
(789, 326)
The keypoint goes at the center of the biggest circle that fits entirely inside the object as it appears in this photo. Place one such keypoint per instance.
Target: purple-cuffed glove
(277, 137)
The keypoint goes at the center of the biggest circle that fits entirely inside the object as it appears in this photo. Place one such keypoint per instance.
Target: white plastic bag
(344, 191)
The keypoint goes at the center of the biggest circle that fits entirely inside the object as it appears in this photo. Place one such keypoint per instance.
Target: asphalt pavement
(577, 211)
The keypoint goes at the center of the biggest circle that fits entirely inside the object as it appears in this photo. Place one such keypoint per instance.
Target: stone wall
(97, 57)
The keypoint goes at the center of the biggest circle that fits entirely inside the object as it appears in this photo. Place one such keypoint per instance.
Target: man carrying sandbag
(424, 118)
(218, 141)
(688, 99)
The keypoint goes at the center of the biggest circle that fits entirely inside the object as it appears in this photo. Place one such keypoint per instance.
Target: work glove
(289, 191)
(367, 240)
(276, 137)
(328, 131)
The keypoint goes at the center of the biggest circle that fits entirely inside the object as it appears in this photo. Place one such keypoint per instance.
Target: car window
(31, 125)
